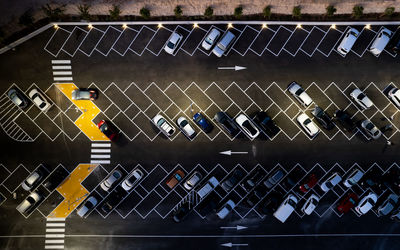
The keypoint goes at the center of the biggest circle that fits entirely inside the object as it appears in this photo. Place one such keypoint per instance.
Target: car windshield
(84, 94)
(209, 41)
(353, 33)
(299, 91)
(360, 96)
(307, 121)
(116, 175)
(89, 205)
(329, 185)
(352, 201)
(160, 122)
(198, 118)
(30, 200)
(247, 125)
(184, 123)
(369, 126)
(178, 177)
(376, 133)
(170, 45)
(291, 203)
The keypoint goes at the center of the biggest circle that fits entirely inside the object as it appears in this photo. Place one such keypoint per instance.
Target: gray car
(371, 129)
(84, 94)
(18, 98)
(274, 178)
(388, 205)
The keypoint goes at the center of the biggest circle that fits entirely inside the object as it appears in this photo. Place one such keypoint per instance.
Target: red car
(347, 203)
(309, 183)
(108, 130)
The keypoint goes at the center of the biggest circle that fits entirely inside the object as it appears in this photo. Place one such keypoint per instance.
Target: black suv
(293, 178)
(234, 179)
(372, 179)
(227, 123)
(271, 203)
(345, 120)
(266, 123)
(323, 118)
(253, 179)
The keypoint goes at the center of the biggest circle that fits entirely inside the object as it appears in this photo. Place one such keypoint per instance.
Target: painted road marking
(63, 79)
(56, 226)
(61, 73)
(101, 150)
(100, 162)
(101, 145)
(61, 67)
(100, 158)
(61, 61)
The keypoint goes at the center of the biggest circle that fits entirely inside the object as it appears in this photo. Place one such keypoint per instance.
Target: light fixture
(299, 26)
(56, 26)
(195, 25)
(264, 26)
(230, 25)
(333, 26)
(90, 26)
(368, 26)
(124, 26)
(159, 25)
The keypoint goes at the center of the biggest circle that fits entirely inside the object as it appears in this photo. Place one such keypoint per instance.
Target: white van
(224, 43)
(208, 187)
(348, 41)
(380, 42)
(286, 208)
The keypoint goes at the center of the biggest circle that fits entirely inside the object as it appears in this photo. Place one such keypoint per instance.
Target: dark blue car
(200, 120)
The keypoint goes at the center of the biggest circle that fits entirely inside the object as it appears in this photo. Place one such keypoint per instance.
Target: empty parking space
(296, 40)
(245, 40)
(278, 41)
(329, 41)
(312, 41)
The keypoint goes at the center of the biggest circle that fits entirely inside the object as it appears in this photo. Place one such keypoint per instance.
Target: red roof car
(347, 203)
(309, 183)
(108, 130)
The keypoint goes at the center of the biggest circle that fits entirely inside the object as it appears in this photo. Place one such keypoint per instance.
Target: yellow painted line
(72, 191)
(90, 111)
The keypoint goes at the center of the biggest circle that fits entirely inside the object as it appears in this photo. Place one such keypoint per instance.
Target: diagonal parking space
(245, 40)
(278, 96)
(296, 40)
(159, 39)
(237, 95)
(88, 44)
(279, 40)
(57, 41)
(127, 36)
(329, 42)
(363, 41)
(194, 39)
(313, 40)
(262, 40)
(109, 38)
(144, 37)
(74, 41)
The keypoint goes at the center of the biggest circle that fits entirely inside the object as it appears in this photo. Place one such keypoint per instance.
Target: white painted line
(54, 247)
(55, 224)
(60, 61)
(101, 151)
(54, 242)
(55, 230)
(55, 235)
(101, 145)
(55, 219)
(62, 78)
(99, 162)
(61, 67)
(100, 156)
(62, 73)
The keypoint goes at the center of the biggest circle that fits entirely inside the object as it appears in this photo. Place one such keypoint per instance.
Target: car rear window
(299, 91)
(247, 125)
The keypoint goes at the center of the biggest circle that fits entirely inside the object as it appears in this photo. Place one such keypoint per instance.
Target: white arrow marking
(236, 68)
(230, 244)
(238, 227)
(229, 152)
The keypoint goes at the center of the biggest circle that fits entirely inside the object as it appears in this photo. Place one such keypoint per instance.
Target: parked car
(271, 203)
(332, 181)
(193, 180)
(395, 215)
(108, 130)
(39, 100)
(232, 180)
(310, 204)
(394, 43)
(361, 99)
(322, 118)
(132, 179)
(354, 177)
(256, 195)
(380, 42)
(226, 41)
(371, 129)
(266, 124)
(298, 92)
(32, 180)
(183, 210)
(391, 179)
(87, 206)
(111, 180)
(226, 123)
(348, 41)
(366, 203)
(253, 179)
(394, 95)
(208, 205)
(347, 203)
(85, 94)
(308, 125)
(208, 187)
(371, 179)
(247, 126)
(163, 125)
(27, 205)
(286, 208)
(18, 98)
(308, 183)
(204, 124)
(274, 178)
(172, 43)
(175, 178)
(185, 127)
(388, 205)
(211, 39)
(292, 178)
(55, 179)
(345, 120)
(223, 211)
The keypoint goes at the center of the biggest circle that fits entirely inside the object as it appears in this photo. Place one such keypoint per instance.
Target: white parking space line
(54, 247)
(99, 162)
(55, 224)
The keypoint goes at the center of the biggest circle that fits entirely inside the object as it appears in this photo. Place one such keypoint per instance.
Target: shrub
(26, 19)
(357, 11)
(145, 13)
(238, 12)
(330, 10)
(389, 11)
(267, 12)
(296, 13)
(209, 11)
(84, 11)
(178, 11)
(53, 14)
(115, 12)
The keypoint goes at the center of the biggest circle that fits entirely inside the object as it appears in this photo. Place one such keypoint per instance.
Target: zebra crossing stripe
(100, 162)
(62, 73)
(101, 145)
(101, 151)
(100, 158)
(62, 78)
(61, 61)
(56, 240)
(61, 67)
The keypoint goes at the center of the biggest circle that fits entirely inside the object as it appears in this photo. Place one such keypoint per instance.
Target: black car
(270, 203)
(345, 120)
(208, 205)
(234, 179)
(55, 179)
(323, 118)
(266, 123)
(391, 179)
(253, 179)
(182, 211)
(113, 199)
(18, 98)
(372, 179)
(394, 43)
(258, 193)
(226, 123)
(293, 178)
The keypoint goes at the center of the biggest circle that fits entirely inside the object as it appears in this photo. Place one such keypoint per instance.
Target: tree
(178, 11)
(296, 13)
(330, 10)
(267, 12)
(26, 19)
(115, 12)
(145, 13)
(357, 11)
(53, 14)
(84, 11)
(209, 11)
(238, 11)
(389, 11)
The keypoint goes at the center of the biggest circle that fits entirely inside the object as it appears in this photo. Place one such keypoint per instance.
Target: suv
(286, 208)
(223, 44)
(322, 118)
(298, 92)
(253, 179)
(266, 123)
(226, 123)
(234, 179)
(345, 120)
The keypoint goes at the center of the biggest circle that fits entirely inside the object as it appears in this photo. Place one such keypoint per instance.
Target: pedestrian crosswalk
(55, 233)
(100, 153)
(62, 70)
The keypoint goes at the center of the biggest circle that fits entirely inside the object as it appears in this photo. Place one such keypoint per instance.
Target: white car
(114, 177)
(163, 125)
(380, 42)
(361, 99)
(371, 129)
(298, 92)
(32, 180)
(286, 208)
(185, 127)
(366, 203)
(310, 204)
(211, 39)
(192, 181)
(331, 182)
(247, 126)
(39, 100)
(131, 180)
(353, 178)
(226, 209)
(172, 43)
(88, 205)
(348, 41)
(308, 125)
(394, 95)
(27, 205)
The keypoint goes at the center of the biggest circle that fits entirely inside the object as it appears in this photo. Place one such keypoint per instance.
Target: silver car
(18, 98)
(185, 127)
(114, 177)
(211, 38)
(32, 180)
(131, 180)
(193, 180)
(388, 205)
(353, 178)
(27, 206)
(88, 205)
(361, 99)
(371, 129)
